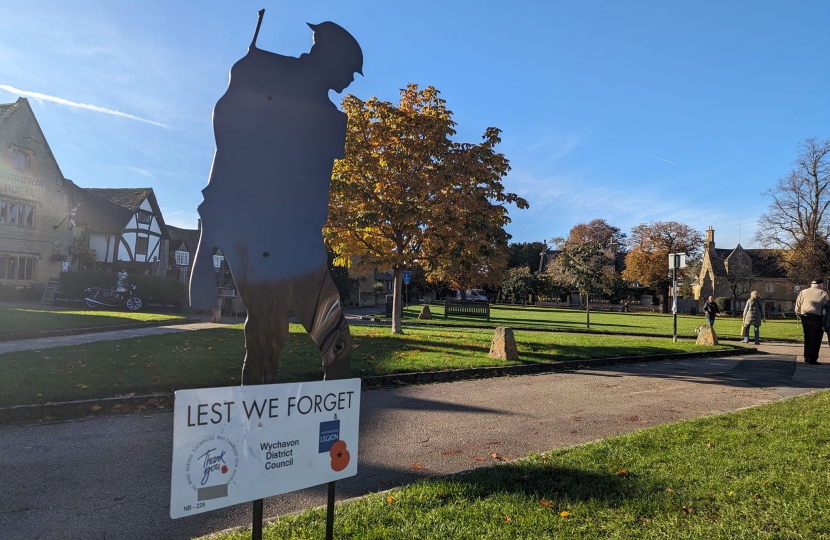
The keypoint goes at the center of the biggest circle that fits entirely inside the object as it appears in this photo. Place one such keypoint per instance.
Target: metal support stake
(256, 522)
(330, 513)
(674, 315)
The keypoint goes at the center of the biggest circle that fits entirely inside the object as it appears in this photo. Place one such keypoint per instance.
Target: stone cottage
(748, 270)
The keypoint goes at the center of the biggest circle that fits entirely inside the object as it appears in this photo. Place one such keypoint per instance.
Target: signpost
(407, 277)
(242, 443)
(676, 260)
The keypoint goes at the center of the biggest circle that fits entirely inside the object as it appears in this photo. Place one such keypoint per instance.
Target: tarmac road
(109, 478)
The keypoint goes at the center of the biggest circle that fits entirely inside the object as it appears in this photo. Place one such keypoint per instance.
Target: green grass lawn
(210, 358)
(653, 324)
(20, 320)
(760, 473)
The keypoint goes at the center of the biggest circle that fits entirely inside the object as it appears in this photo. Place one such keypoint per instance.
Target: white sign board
(677, 260)
(241, 443)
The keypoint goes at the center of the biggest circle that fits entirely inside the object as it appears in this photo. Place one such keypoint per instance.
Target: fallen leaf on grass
(708, 444)
(543, 502)
(564, 513)
(643, 519)
(711, 518)
(495, 456)
(443, 495)
(507, 519)
(479, 458)
(755, 496)
(417, 467)
(688, 509)
(670, 490)
(390, 500)
(451, 452)
(622, 472)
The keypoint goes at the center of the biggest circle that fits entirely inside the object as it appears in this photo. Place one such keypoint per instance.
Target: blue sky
(627, 111)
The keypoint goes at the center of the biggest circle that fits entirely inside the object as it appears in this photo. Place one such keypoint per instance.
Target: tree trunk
(587, 310)
(396, 302)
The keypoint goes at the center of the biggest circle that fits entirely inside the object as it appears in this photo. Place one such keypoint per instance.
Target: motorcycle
(115, 297)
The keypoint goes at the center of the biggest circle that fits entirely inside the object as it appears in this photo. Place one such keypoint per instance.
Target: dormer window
(20, 159)
(182, 258)
(144, 216)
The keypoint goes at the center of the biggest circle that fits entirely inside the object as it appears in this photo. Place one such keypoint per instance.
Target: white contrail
(661, 159)
(66, 102)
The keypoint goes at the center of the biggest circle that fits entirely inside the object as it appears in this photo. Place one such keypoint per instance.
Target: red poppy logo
(224, 469)
(339, 456)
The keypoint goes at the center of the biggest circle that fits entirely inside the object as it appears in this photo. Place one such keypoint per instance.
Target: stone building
(36, 242)
(747, 270)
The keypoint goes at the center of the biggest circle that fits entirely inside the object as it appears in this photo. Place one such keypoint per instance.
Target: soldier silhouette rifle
(277, 136)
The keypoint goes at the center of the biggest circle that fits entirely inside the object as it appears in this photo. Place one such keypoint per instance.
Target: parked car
(472, 295)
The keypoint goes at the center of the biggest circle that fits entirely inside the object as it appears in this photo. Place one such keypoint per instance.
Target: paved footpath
(109, 478)
(36, 344)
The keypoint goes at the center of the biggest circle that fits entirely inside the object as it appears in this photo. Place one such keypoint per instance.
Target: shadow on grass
(553, 484)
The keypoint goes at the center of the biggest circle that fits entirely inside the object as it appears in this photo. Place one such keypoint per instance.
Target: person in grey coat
(753, 315)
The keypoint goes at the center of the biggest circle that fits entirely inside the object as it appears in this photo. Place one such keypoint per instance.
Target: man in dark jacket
(809, 306)
(710, 308)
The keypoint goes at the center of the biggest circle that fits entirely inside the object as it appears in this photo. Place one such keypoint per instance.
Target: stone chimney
(710, 239)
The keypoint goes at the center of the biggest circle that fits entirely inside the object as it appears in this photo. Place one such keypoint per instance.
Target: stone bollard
(706, 335)
(425, 313)
(504, 345)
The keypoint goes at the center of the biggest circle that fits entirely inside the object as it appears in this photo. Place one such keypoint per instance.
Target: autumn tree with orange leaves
(647, 261)
(406, 192)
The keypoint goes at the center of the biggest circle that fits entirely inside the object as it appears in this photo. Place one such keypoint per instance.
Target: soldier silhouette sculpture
(266, 202)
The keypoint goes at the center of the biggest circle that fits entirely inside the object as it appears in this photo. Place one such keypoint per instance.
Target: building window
(16, 213)
(182, 258)
(217, 261)
(144, 216)
(20, 160)
(20, 268)
(141, 245)
(770, 288)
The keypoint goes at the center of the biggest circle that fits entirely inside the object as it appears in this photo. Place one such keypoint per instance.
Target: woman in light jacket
(753, 315)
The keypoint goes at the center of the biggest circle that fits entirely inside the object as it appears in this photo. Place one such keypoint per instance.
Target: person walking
(809, 307)
(753, 315)
(711, 309)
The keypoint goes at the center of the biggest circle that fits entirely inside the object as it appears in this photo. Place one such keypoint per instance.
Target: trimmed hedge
(148, 287)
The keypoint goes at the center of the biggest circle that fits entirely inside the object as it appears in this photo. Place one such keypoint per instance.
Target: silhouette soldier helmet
(337, 45)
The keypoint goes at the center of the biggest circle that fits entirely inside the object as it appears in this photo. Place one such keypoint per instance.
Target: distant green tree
(520, 283)
(583, 265)
(614, 287)
(521, 254)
